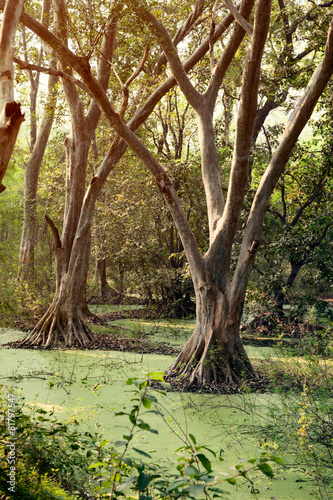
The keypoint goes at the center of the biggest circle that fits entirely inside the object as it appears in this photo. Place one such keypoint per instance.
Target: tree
(64, 316)
(10, 111)
(38, 145)
(214, 353)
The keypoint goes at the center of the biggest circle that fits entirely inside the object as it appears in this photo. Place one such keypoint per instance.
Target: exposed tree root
(57, 327)
(212, 366)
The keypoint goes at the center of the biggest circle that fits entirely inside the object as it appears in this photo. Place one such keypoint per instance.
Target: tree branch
(322, 237)
(182, 32)
(246, 115)
(239, 18)
(227, 57)
(55, 232)
(191, 94)
(311, 198)
(297, 121)
(74, 102)
(49, 71)
(134, 75)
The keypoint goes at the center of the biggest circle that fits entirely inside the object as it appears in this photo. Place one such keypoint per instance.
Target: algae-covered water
(91, 386)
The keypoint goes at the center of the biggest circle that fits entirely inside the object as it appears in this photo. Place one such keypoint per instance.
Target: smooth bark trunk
(63, 323)
(11, 117)
(65, 318)
(29, 231)
(101, 276)
(214, 355)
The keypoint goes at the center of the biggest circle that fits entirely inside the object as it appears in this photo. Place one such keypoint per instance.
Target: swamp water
(89, 386)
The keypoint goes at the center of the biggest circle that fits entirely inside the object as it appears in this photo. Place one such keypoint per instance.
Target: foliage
(301, 423)
(293, 263)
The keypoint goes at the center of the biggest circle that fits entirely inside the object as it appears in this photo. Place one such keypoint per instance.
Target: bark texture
(10, 122)
(64, 320)
(11, 117)
(214, 355)
(39, 139)
(29, 230)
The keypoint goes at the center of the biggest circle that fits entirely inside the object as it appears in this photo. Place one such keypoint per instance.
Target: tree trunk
(84, 304)
(11, 117)
(63, 323)
(280, 293)
(10, 122)
(101, 275)
(38, 146)
(214, 355)
(28, 239)
(64, 320)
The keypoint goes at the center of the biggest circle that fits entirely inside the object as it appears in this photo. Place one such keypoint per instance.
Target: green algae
(89, 387)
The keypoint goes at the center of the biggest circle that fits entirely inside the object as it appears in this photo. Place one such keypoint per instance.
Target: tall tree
(64, 318)
(10, 111)
(39, 140)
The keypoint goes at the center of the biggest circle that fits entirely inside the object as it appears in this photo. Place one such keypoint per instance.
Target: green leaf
(231, 480)
(144, 426)
(196, 489)
(97, 464)
(176, 485)
(40, 410)
(156, 376)
(266, 469)
(103, 443)
(143, 481)
(205, 462)
(106, 484)
(74, 446)
(146, 403)
(192, 438)
(278, 460)
(190, 471)
(120, 443)
(143, 453)
(128, 438)
(132, 418)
